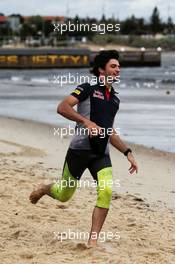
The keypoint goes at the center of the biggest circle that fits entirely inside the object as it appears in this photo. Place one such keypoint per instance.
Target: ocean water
(147, 108)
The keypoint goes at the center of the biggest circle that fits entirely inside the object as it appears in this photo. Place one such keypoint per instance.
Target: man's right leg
(101, 170)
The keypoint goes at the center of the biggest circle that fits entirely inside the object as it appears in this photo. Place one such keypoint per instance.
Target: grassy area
(167, 43)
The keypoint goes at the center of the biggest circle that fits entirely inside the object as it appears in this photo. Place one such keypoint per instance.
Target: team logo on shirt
(98, 94)
(76, 91)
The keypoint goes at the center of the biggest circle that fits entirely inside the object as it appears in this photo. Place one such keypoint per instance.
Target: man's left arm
(117, 143)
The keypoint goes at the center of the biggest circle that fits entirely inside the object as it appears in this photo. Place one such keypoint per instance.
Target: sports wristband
(127, 151)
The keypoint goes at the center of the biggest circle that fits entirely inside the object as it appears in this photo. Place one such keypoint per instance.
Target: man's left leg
(104, 192)
(74, 166)
(61, 191)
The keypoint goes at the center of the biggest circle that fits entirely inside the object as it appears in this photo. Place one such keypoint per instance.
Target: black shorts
(78, 160)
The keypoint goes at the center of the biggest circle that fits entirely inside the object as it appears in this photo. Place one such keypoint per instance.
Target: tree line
(35, 26)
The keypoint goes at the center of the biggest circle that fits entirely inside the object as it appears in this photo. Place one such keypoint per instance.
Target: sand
(142, 212)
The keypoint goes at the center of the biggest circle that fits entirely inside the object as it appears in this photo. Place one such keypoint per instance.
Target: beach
(142, 210)
(147, 96)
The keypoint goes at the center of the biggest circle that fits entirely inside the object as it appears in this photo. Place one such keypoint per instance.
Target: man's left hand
(134, 166)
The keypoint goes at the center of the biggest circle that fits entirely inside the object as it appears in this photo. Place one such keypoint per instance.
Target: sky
(92, 8)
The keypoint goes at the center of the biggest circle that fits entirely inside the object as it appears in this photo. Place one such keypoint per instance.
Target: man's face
(112, 69)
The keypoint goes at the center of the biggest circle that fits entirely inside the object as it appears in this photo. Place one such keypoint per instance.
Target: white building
(14, 22)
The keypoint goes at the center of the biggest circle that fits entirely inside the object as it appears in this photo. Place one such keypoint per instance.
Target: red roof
(3, 19)
(47, 18)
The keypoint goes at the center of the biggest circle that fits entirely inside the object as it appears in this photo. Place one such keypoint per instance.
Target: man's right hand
(93, 128)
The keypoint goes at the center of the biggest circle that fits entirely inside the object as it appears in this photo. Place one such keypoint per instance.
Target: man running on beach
(97, 106)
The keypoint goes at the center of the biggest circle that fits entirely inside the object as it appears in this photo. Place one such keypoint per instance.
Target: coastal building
(3, 21)
(14, 22)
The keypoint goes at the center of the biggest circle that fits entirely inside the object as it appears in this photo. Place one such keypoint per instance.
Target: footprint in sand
(61, 206)
(16, 234)
(82, 246)
(26, 255)
(101, 248)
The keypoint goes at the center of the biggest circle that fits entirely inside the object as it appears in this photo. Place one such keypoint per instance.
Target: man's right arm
(65, 108)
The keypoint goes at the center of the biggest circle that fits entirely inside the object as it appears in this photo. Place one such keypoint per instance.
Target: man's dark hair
(102, 59)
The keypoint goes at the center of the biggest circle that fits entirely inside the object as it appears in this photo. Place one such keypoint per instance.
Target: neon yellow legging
(64, 190)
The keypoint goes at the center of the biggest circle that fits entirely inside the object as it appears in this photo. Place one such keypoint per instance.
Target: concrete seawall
(70, 58)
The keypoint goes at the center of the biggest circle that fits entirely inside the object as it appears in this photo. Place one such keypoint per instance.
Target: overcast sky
(92, 8)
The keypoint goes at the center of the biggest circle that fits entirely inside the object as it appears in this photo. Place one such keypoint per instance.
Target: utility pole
(43, 31)
(67, 9)
(103, 8)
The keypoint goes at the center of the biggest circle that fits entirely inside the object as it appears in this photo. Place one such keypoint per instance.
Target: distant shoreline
(139, 147)
(90, 46)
